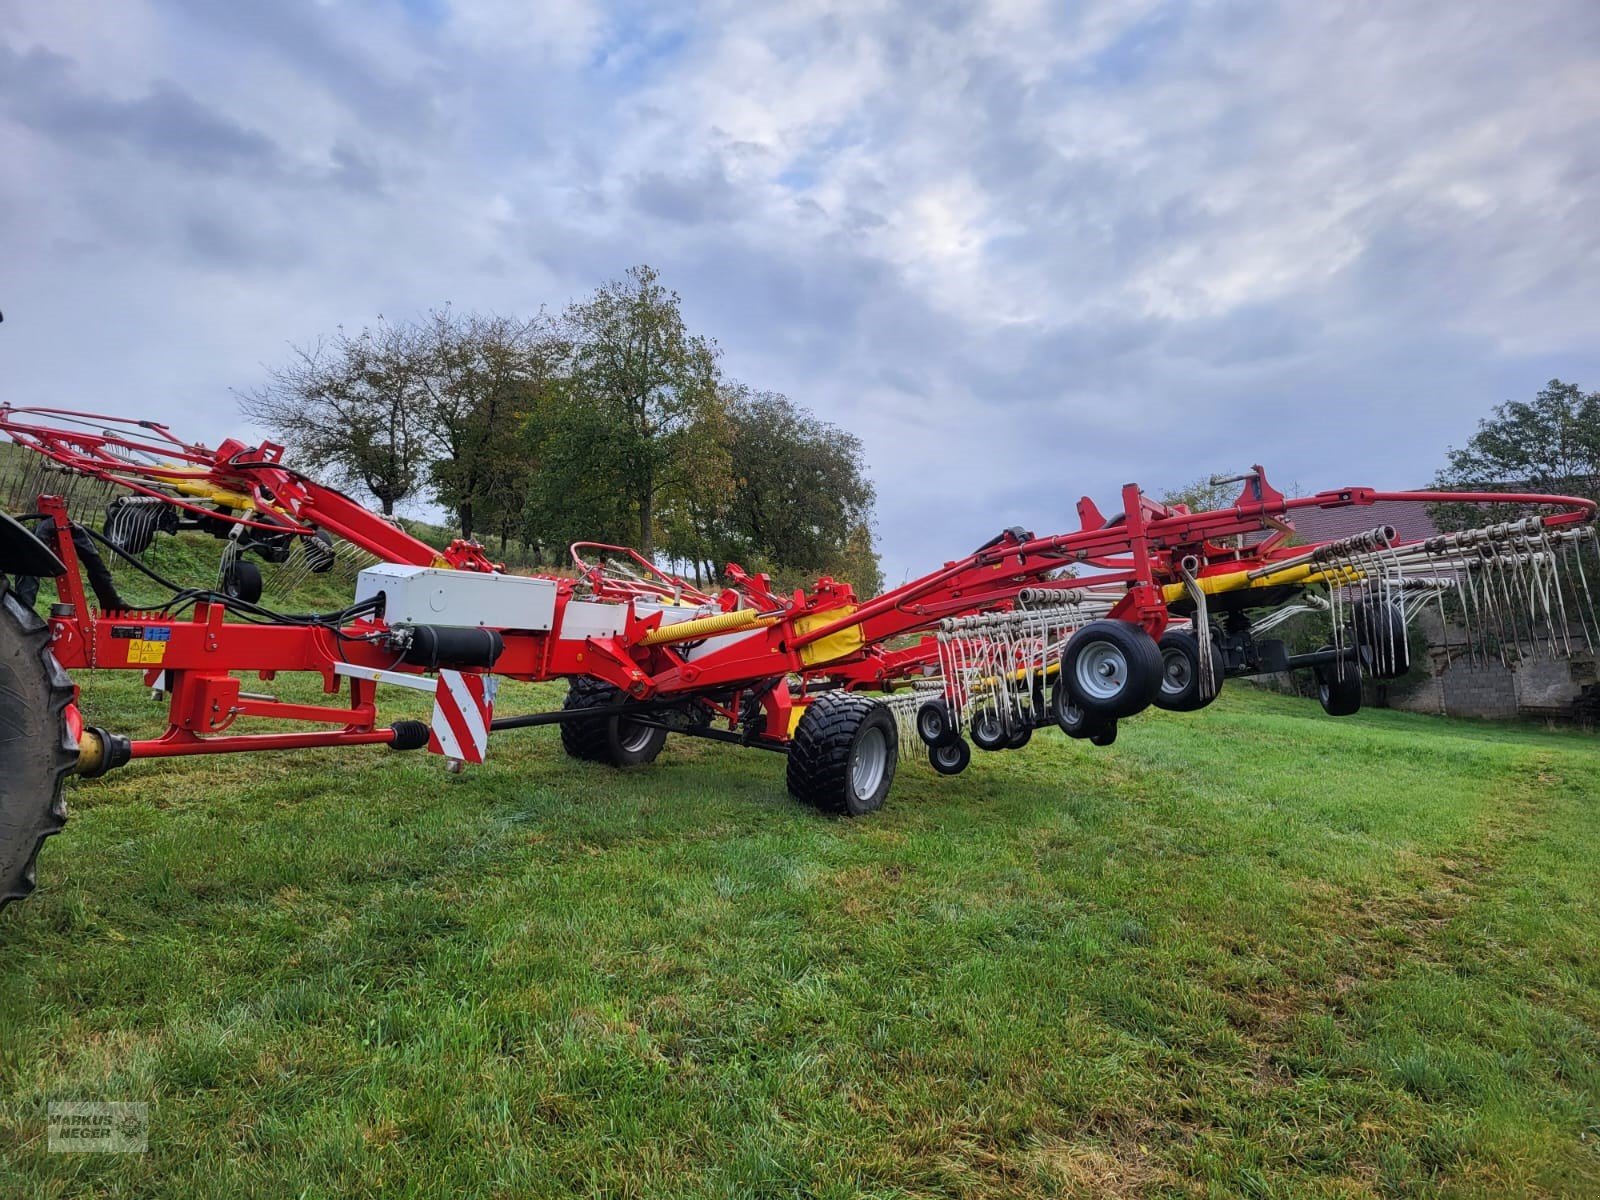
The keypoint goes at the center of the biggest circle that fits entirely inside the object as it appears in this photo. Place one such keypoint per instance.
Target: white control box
(437, 596)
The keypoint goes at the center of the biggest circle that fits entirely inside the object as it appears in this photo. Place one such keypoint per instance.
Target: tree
(654, 384)
(801, 502)
(481, 375)
(1202, 495)
(1549, 445)
(351, 407)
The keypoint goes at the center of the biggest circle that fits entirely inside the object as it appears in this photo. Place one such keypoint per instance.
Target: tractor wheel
(1339, 692)
(37, 747)
(1113, 668)
(951, 758)
(1180, 672)
(935, 726)
(242, 581)
(1380, 635)
(615, 741)
(843, 755)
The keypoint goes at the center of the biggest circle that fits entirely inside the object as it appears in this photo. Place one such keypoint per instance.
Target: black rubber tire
(950, 759)
(1021, 735)
(1180, 689)
(988, 731)
(614, 741)
(242, 581)
(1339, 694)
(1105, 735)
(1136, 658)
(934, 724)
(37, 749)
(835, 730)
(1380, 636)
(1069, 715)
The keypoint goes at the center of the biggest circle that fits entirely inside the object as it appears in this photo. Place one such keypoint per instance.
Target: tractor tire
(1180, 673)
(37, 747)
(952, 758)
(615, 741)
(1339, 693)
(1113, 668)
(843, 755)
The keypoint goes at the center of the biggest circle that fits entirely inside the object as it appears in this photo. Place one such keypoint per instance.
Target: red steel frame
(820, 634)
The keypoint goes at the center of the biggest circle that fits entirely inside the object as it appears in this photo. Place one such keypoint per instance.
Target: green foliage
(1246, 951)
(483, 376)
(1551, 444)
(1202, 495)
(352, 407)
(639, 370)
(801, 503)
(611, 423)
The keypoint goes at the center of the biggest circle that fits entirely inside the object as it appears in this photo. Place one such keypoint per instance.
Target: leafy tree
(480, 375)
(801, 502)
(654, 385)
(351, 406)
(1551, 444)
(1202, 495)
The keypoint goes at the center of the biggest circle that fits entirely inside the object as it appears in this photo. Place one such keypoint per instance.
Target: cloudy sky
(1024, 250)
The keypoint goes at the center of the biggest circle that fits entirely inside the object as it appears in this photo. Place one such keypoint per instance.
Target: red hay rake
(1153, 605)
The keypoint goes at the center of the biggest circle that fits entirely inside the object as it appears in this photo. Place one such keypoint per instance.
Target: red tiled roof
(1411, 521)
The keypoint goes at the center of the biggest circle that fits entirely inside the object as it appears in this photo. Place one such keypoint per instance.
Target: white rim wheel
(634, 737)
(869, 762)
(1176, 671)
(1101, 671)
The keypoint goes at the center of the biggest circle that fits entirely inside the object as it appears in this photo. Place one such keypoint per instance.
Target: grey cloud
(166, 122)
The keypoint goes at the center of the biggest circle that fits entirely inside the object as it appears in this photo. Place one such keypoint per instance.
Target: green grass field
(1250, 951)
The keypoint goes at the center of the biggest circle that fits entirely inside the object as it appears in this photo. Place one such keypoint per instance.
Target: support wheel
(1339, 692)
(242, 581)
(615, 741)
(1113, 668)
(1105, 735)
(37, 748)
(1380, 635)
(952, 758)
(1181, 675)
(935, 726)
(1069, 715)
(843, 756)
(990, 731)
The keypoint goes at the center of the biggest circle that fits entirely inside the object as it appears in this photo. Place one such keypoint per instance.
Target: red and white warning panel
(463, 706)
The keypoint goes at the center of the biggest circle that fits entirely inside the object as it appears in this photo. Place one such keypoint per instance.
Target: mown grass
(1250, 951)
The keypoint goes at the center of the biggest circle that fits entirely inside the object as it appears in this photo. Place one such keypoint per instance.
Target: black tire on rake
(615, 741)
(37, 749)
